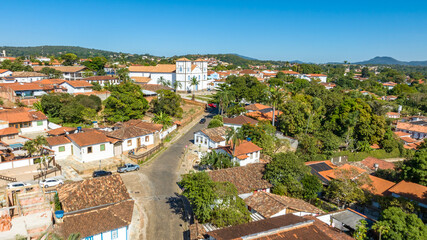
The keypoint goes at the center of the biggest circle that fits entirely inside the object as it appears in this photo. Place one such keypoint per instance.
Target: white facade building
(181, 72)
(77, 86)
(211, 137)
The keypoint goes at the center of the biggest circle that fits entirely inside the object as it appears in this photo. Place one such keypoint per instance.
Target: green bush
(58, 205)
(359, 156)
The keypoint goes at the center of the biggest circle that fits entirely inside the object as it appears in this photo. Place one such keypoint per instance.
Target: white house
(133, 137)
(238, 122)
(182, 72)
(91, 145)
(28, 77)
(69, 72)
(5, 73)
(61, 145)
(77, 86)
(103, 80)
(211, 137)
(26, 120)
(321, 77)
(417, 131)
(244, 153)
(96, 208)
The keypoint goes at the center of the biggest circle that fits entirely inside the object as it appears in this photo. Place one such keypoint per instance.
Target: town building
(132, 138)
(181, 72)
(211, 137)
(96, 208)
(77, 86)
(91, 145)
(28, 77)
(103, 80)
(26, 120)
(69, 72)
(394, 115)
(238, 122)
(5, 73)
(418, 130)
(244, 153)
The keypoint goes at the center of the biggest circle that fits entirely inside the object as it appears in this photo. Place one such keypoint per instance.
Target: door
(138, 142)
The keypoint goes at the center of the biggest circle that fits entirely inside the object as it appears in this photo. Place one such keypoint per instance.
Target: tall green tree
(194, 82)
(125, 102)
(275, 97)
(415, 169)
(164, 119)
(167, 102)
(69, 59)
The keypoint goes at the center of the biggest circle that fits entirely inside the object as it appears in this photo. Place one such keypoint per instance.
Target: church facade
(177, 75)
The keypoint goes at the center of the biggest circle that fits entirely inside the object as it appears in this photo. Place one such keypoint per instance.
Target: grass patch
(359, 156)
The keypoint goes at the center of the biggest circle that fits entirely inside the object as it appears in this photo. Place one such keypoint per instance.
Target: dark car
(101, 173)
(203, 120)
(127, 168)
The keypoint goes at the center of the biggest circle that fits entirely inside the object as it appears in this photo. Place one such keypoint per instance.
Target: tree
(87, 73)
(51, 72)
(176, 85)
(224, 98)
(415, 169)
(217, 160)
(361, 230)
(123, 74)
(381, 228)
(69, 59)
(234, 137)
(275, 97)
(401, 225)
(164, 119)
(30, 147)
(312, 186)
(96, 86)
(365, 72)
(194, 82)
(163, 81)
(125, 102)
(167, 102)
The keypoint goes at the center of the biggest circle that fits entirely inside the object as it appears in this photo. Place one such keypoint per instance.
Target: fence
(56, 168)
(142, 156)
(6, 178)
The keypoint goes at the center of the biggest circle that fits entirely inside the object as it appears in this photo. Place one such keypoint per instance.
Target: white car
(50, 182)
(14, 185)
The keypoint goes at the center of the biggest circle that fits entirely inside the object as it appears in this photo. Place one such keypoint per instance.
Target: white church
(182, 72)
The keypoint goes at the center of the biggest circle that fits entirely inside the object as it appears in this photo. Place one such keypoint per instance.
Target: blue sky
(314, 31)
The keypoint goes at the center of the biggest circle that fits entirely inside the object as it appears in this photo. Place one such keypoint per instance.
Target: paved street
(156, 193)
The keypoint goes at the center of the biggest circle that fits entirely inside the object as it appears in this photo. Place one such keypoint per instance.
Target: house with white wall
(78, 86)
(182, 72)
(69, 72)
(320, 77)
(96, 208)
(244, 153)
(91, 146)
(61, 145)
(211, 137)
(133, 137)
(103, 80)
(239, 121)
(26, 120)
(417, 131)
(5, 73)
(28, 77)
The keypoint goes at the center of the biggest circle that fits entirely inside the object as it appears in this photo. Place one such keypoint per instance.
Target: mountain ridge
(385, 60)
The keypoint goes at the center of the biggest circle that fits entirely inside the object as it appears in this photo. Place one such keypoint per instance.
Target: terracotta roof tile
(62, 68)
(27, 74)
(145, 125)
(216, 134)
(256, 107)
(159, 68)
(378, 186)
(411, 127)
(371, 161)
(4, 70)
(247, 178)
(61, 130)
(402, 134)
(79, 83)
(183, 59)
(268, 204)
(127, 132)
(8, 131)
(57, 140)
(240, 120)
(18, 115)
(411, 191)
(23, 86)
(141, 79)
(154, 87)
(87, 138)
(92, 192)
(243, 148)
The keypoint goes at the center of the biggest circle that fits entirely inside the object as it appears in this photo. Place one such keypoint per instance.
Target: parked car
(14, 185)
(212, 105)
(128, 167)
(203, 120)
(101, 173)
(50, 182)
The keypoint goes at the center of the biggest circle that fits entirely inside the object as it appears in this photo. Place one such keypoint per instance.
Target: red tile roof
(8, 131)
(159, 68)
(216, 134)
(243, 148)
(290, 72)
(23, 86)
(411, 191)
(4, 70)
(411, 127)
(402, 134)
(79, 83)
(268, 204)
(247, 178)
(145, 125)
(256, 107)
(61, 130)
(240, 120)
(127, 132)
(316, 75)
(57, 140)
(378, 186)
(61, 68)
(89, 138)
(371, 161)
(18, 115)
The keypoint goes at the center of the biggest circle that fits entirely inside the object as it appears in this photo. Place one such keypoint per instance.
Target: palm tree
(163, 81)
(275, 97)
(162, 118)
(38, 106)
(225, 97)
(234, 136)
(194, 82)
(381, 227)
(29, 147)
(176, 85)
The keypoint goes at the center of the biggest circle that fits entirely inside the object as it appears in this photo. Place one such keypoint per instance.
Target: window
(129, 143)
(188, 77)
(147, 138)
(11, 137)
(102, 147)
(89, 238)
(89, 149)
(199, 77)
(180, 69)
(115, 234)
(39, 123)
(61, 149)
(206, 141)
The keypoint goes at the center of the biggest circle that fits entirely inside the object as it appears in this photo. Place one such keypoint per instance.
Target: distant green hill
(391, 61)
(56, 51)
